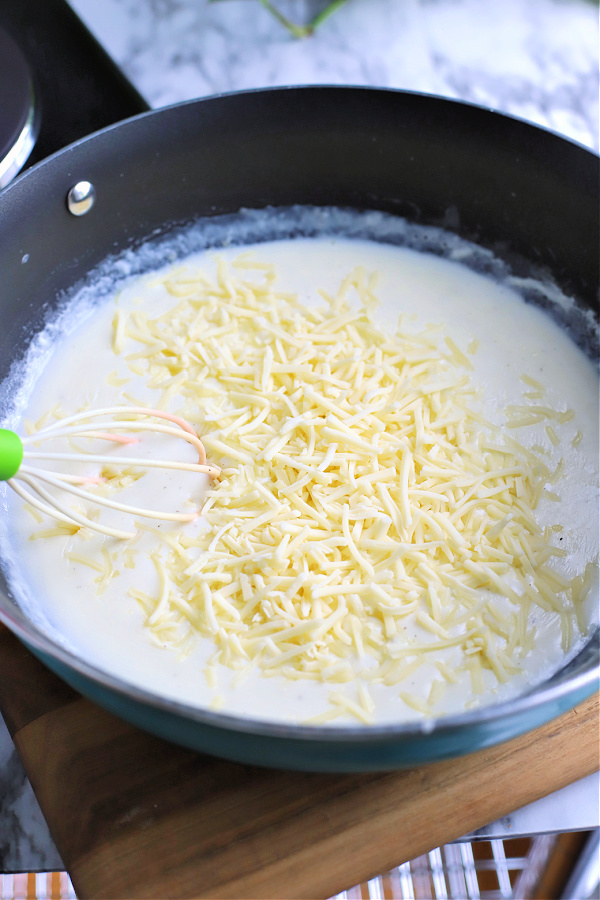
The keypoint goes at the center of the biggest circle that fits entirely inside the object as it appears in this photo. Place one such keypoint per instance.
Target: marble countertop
(536, 59)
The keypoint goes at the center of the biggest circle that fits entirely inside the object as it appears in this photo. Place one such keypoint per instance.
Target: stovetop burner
(19, 110)
(46, 51)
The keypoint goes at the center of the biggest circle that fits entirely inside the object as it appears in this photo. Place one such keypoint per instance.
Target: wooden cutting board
(134, 816)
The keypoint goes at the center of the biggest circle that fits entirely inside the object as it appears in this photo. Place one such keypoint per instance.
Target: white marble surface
(574, 808)
(537, 59)
(25, 842)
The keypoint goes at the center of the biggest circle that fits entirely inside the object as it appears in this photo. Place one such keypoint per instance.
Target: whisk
(16, 471)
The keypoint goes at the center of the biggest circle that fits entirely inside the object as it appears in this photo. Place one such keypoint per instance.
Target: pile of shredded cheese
(367, 517)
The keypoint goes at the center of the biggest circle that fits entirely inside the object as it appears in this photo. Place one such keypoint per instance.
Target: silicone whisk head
(11, 454)
(38, 486)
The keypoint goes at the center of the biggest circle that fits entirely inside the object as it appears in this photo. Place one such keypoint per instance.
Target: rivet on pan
(81, 197)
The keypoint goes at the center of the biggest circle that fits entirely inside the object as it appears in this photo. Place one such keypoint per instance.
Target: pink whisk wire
(74, 426)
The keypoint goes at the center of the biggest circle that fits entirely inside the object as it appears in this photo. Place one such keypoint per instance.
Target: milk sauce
(107, 628)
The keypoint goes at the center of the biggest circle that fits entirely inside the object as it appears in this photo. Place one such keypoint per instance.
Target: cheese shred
(365, 508)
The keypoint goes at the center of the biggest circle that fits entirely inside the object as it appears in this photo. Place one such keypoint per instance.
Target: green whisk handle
(11, 454)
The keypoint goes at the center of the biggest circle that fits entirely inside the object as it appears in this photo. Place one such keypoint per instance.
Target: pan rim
(308, 89)
(534, 698)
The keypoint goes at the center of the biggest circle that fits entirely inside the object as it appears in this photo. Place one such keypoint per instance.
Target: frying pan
(528, 194)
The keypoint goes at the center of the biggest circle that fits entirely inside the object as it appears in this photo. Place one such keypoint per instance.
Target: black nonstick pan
(527, 194)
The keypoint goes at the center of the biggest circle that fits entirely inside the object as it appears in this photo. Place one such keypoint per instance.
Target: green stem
(302, 31)
(324, 14)
(298, 31)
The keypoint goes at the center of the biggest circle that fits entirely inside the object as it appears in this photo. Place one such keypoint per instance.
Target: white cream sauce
(514, 338)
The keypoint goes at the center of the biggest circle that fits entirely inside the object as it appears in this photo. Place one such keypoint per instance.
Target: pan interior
(252, 227)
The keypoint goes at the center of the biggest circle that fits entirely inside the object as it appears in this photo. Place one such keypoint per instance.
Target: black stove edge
(78, 87)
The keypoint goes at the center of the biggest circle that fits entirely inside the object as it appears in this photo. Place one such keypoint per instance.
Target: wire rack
(482, 870)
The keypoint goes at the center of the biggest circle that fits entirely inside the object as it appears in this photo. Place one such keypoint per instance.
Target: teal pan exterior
(325, 748)
(509, 185)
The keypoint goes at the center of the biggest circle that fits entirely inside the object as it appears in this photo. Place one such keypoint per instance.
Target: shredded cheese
(367, 516)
